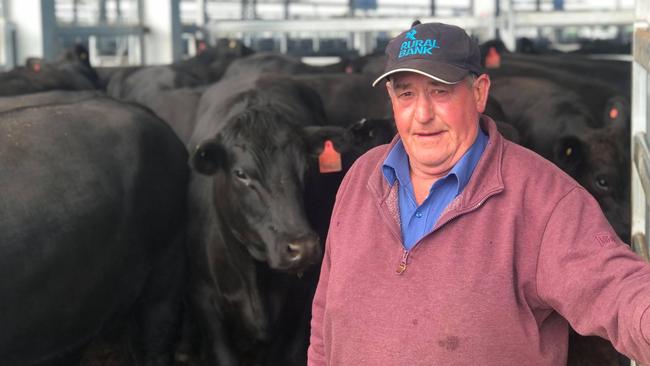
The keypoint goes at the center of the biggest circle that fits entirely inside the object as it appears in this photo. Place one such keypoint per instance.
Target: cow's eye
(602, 183)
(240, 174)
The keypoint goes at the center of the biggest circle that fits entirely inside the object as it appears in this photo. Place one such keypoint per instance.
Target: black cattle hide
(142, 84)
(348, 98)
(267, 63)
(71, 72)
(554, 122)
(253, 252)
(91, 225)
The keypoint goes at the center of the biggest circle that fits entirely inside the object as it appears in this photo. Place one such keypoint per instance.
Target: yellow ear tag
(329, 161)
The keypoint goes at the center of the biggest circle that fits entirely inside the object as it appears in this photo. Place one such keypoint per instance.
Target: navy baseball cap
(440, 51)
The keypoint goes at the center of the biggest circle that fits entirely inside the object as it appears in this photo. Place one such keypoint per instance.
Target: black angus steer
(140, 84)
(348, 98)
(71, 72)
(268, 62)
(91, 225)
(249, 237)
(555, 123)
(596, 81)
(48, 97)
(177, 107)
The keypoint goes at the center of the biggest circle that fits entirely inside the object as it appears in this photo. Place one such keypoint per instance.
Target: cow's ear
(310, 98)
(208, 157)
(568, 153)
(372, 132)
(315, 137)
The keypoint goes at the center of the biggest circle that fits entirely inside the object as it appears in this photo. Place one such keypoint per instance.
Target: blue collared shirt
(417, 221)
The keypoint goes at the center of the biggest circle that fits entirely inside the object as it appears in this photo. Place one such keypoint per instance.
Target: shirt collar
(396, 165)
(465, 166)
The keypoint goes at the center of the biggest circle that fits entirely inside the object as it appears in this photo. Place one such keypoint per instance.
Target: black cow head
(599, 161)
(258, 169)
(370, 132)
(77, 61)
(75, 55)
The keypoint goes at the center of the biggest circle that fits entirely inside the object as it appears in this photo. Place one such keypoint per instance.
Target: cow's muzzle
(299, 253)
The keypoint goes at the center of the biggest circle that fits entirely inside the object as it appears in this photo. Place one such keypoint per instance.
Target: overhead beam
(100, 30)
(329, 25)
(574, 18)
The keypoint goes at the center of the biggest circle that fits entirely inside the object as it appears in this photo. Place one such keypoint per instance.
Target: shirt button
(418, 215)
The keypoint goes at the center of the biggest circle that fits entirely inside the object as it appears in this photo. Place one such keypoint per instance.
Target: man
(453, 246)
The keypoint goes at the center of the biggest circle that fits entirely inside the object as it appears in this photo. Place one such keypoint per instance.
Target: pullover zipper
(401, 268)
(402, 264)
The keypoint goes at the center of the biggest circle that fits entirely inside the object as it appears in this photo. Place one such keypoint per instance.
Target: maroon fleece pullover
(521, 251)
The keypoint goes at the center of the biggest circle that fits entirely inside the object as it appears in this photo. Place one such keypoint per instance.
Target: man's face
(437, 122)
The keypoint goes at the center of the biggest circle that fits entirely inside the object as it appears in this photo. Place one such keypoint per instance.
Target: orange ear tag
(613, 113)
(329, 161)
(492, 59)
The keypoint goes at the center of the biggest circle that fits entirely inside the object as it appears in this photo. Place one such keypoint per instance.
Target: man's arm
(589, 276)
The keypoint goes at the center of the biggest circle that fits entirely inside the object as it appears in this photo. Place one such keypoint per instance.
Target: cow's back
(230, 97)
(347, 98)
(47, 98)
(92, 193)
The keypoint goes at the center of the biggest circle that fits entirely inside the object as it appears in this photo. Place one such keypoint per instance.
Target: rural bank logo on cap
(414, 46)
(440, 51)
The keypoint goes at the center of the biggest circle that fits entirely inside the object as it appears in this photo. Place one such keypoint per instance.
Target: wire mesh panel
(108, 28)
(571, 5)
(319, 9)
(321, 38)
(87, 12)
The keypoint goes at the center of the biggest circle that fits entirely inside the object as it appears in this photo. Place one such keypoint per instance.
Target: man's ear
(389, 88)
(481, 89)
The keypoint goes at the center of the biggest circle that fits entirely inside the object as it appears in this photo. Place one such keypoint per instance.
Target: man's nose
(424, 109)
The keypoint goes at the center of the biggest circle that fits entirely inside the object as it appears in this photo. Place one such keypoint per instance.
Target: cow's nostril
(294, 251)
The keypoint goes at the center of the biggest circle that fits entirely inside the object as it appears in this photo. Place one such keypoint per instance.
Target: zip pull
(402, 264)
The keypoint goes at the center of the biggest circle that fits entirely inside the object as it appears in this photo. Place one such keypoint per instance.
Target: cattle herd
(176, 214)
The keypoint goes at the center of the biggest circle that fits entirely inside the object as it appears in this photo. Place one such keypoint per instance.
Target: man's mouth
(429, 134)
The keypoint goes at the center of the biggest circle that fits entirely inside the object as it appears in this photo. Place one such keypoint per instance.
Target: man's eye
(405, 94)
(439, 91)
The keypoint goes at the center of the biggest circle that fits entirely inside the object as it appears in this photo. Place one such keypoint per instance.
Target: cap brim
(443, 73)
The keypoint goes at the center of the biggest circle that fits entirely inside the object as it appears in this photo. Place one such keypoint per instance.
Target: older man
(453, 246)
